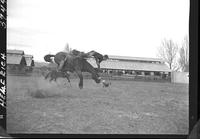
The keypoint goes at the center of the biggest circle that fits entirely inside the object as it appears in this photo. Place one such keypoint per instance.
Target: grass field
(126, 107)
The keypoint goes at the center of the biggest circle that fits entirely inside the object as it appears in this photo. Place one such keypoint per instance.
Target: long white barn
(133, 66)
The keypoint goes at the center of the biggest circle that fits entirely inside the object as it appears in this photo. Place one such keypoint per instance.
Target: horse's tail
(47, 58)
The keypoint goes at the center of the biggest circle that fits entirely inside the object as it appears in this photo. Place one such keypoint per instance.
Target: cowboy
(79, 53)
(98, 57)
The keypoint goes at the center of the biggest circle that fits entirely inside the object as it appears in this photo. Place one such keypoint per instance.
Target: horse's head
(97, 79)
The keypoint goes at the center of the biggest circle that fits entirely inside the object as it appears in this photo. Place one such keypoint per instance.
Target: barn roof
(129, 58)
(18, 52)
(15, 59)
(130, 65)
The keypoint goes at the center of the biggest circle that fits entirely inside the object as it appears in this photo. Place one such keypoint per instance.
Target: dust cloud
(41, 88)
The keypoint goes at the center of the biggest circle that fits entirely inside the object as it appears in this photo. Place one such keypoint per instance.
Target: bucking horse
(72, 64)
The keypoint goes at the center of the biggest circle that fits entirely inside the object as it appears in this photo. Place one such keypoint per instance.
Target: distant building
(134, 66)
(30, 62)
(17, 61)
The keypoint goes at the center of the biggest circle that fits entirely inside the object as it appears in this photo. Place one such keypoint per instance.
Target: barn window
(146, 73)
(157, 73)
(129, 72)
(138, 72)
(133, 72)
(152, 73)
(110, 71)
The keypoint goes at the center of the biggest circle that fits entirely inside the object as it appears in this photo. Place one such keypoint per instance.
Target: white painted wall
(180, 77)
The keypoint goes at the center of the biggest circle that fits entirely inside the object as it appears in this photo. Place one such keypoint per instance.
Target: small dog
(106, 84)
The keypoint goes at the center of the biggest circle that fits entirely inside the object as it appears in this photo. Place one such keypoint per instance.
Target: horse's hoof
(81, 87)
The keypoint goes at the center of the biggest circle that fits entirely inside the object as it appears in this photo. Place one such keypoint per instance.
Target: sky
(115, 27)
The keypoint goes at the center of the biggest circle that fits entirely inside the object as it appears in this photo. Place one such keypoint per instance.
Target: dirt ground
(126, 107)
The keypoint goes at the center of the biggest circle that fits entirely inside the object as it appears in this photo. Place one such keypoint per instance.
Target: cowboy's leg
(91, 53)
(84, 55)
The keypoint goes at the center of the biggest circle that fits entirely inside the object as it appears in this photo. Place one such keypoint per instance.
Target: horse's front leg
(51, 79)
(67, 76)
(68, 79)
(79, 73)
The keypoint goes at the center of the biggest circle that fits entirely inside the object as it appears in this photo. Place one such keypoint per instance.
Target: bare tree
(67, 48)
(168, 52)
(184, 55)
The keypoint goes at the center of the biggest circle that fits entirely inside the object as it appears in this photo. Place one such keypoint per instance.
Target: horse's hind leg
(50, 79)
(79, 73)
(55, 79)
(45, 77)
(67, 76)
(69, 82)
